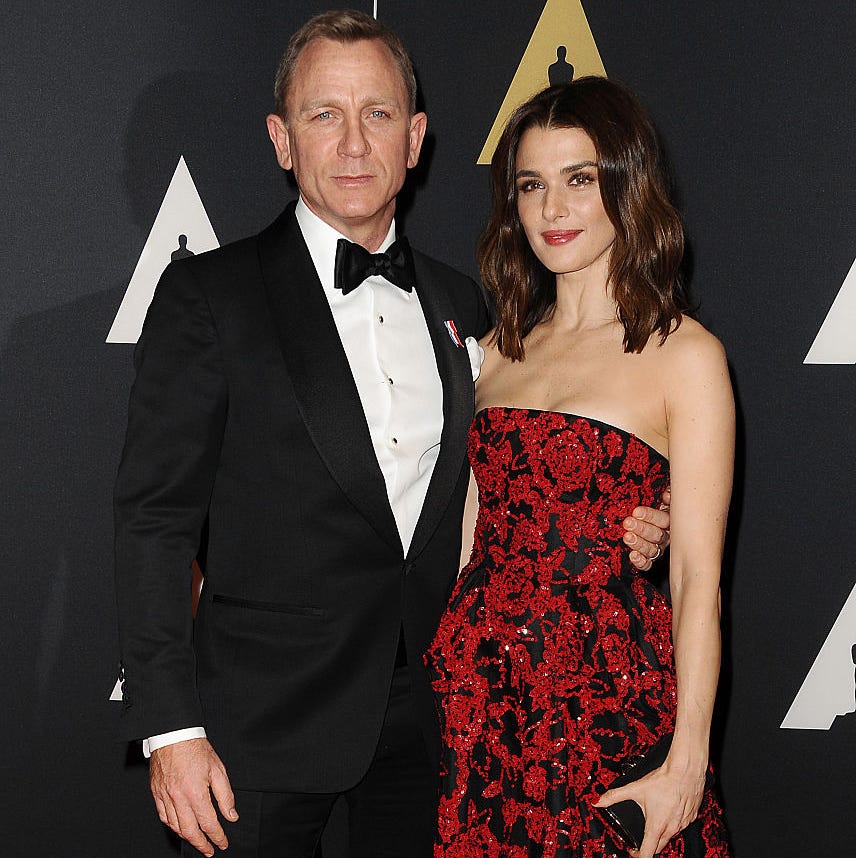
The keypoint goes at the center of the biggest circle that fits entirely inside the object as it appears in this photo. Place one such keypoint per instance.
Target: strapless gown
(553, 663)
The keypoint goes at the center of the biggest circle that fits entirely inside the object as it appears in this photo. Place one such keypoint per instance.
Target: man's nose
(354, 143)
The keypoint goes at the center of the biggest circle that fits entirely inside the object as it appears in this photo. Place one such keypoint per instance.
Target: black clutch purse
(626, 817)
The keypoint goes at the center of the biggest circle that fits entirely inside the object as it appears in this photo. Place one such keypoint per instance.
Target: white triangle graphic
(116, 693)
(829, 688)
(835, 341)
(181, 214)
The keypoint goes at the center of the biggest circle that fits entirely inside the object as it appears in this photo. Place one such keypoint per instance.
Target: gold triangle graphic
(563, 24)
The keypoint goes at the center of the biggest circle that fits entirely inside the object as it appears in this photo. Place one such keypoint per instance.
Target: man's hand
(647, 533)
(182, 777)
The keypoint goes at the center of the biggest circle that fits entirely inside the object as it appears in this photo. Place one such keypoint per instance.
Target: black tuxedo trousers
(245, 425)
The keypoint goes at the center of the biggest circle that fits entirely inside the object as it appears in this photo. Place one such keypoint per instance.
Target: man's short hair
(344, 26)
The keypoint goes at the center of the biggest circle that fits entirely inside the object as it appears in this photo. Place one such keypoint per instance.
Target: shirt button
(390, 381)
(380, 319)
(394, 440)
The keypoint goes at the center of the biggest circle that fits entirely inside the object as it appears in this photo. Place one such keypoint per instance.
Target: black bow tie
(354, 264)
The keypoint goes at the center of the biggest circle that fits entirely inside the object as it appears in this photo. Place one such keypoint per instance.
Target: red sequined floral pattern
(553, 663)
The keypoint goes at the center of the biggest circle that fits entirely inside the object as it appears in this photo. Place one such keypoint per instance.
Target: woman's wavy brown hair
(645, 261)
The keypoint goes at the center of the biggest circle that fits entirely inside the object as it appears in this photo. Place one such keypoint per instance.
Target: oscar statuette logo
(181, 228)
(561, 48)
(829, 688)
(835, 342)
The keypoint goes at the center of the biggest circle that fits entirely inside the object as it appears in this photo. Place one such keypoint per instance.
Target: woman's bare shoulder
(691, 341)
(691, 364)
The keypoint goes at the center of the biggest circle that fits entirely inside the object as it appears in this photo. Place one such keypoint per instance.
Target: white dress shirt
(386, 340)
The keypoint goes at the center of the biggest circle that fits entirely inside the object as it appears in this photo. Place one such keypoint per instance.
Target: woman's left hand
(670, 802)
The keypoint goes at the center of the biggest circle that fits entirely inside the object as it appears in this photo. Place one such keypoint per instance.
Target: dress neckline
(573, 416)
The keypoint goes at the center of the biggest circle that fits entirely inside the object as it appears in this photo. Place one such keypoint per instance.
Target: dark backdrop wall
(101, 100)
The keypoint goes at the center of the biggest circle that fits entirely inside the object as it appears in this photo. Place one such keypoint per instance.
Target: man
(314, 416)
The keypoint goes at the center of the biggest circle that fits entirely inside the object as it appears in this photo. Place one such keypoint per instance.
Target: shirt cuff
(164, 739)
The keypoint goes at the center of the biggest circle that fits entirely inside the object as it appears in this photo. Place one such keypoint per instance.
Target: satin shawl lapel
(320, 374)
(453, 364)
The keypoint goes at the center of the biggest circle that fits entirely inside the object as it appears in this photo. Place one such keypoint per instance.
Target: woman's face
(559, 203)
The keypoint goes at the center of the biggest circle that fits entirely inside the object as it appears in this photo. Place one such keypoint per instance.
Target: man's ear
(418, 124)
(278, 133)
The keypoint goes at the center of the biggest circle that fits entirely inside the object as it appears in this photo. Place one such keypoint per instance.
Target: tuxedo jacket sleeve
(175, 429)
(244, 418)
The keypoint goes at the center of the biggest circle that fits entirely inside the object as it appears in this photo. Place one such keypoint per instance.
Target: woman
(557, 662)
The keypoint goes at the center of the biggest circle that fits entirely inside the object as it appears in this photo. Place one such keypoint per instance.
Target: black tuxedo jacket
(244, 419)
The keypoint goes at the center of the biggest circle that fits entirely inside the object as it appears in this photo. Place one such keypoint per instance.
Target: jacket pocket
(275, 607)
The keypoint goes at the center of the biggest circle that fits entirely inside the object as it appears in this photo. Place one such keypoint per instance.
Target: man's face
(349, 136)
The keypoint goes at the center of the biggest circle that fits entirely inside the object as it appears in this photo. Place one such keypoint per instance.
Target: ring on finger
(657, 555)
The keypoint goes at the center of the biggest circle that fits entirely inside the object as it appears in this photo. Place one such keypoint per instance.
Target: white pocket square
(476, 354)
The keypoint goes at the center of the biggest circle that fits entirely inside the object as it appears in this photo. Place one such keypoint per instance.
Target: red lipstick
(557, 237)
